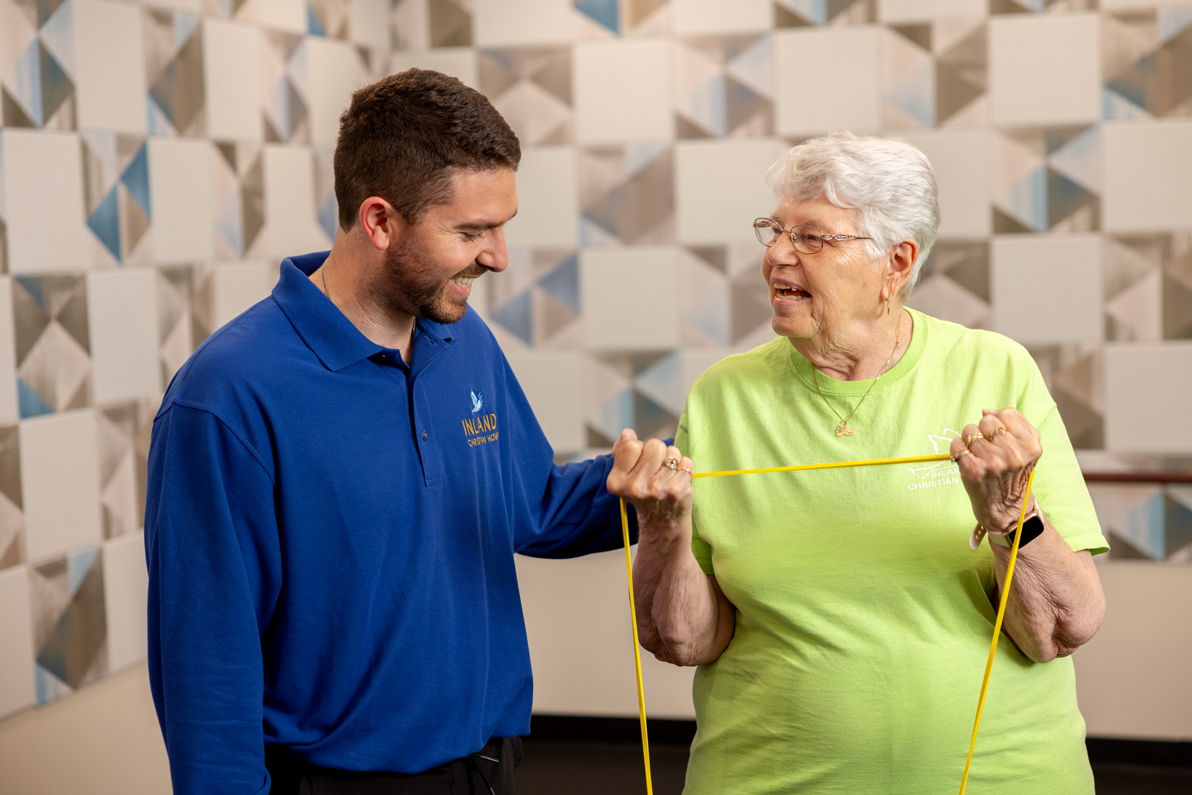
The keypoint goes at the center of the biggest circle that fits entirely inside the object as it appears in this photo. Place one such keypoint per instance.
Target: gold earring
(887, 307)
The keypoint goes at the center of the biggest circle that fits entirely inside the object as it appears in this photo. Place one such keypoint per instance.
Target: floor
(550, 767)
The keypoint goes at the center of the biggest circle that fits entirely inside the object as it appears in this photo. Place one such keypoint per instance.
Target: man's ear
(382, 225)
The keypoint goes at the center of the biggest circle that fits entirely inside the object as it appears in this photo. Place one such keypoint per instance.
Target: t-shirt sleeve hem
(1096, 544)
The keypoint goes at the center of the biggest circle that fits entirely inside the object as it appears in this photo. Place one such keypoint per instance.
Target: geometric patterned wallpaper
(158, 159)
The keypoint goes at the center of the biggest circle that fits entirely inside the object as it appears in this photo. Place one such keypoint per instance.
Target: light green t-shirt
(863, 618)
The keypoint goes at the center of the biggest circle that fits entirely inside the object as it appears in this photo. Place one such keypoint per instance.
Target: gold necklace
(842, 429)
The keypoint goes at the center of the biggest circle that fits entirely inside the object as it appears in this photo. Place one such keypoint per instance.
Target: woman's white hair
(889, 182)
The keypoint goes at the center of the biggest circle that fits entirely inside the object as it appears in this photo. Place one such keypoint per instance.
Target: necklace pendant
(843, 430)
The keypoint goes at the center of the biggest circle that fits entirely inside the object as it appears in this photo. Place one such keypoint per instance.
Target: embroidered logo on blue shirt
(477, 401)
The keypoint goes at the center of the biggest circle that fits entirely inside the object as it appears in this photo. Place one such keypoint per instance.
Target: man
(339, 479)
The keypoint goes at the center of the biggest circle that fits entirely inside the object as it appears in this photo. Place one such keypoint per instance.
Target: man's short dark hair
(403, 137)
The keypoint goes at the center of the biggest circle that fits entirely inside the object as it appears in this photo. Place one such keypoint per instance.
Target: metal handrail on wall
(1162, 478)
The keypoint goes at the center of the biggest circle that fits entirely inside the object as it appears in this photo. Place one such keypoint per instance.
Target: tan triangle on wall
(634, 12)
(953, 92)
(686, 129)
(495, 77)
(10, 465)
(1084, 379)
(1085, 427)
(1126, 38)
(1137, 311)
(550, 317)
(960, 38)
(14, 553)
(134, 222)
(1177, 310)
(12, 113)
(918, 34)
(1172, 75)
(450, 25)
(64, 117)
(127, 147)
(785, 18)
(252, 202)
(554, 73)
(852, 12)
(1006, 224)
(188, 97)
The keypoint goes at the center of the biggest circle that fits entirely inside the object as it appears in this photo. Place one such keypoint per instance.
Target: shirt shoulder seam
(186, 404)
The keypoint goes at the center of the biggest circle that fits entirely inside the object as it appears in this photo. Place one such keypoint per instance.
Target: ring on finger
(671, 463)
(998, 432)
(969, 439)
(965, 451)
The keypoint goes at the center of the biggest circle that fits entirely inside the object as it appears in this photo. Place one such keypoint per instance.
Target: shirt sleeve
(563, 510)
(212, 550)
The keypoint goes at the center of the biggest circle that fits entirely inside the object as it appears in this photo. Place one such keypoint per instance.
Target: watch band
(1032, 528)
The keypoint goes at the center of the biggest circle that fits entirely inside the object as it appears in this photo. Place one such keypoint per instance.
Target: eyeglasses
(805, 238)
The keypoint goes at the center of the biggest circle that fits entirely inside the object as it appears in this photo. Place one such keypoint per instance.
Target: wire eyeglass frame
(806, 238)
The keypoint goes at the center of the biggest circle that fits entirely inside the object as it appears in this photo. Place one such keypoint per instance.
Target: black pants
(489, 771)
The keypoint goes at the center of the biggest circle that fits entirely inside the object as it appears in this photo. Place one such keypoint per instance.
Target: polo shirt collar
(320, 324)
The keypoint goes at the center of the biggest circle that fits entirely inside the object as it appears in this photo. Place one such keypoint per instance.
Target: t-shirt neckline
(832, 386)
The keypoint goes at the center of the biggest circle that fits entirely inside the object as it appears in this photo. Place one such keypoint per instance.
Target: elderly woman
(842, 618)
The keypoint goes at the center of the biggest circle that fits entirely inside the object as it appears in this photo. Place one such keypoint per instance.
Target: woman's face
(814, 296)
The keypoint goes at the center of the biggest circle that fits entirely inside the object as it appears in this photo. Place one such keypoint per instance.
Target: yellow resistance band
(997, 625)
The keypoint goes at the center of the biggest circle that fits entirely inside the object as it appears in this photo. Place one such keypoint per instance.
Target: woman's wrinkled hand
(643, 474)
(995, 458)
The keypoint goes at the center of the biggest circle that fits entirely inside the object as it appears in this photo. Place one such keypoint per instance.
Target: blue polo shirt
(330, 536)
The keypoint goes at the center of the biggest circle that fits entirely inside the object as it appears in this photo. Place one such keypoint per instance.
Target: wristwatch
(1032, 528)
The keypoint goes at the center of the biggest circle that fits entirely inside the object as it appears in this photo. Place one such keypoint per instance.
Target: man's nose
(496, 256)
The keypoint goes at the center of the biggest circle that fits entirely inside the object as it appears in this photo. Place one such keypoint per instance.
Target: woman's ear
(901, 266)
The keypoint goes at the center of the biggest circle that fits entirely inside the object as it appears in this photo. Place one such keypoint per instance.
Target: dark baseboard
(579, 728)
(1152, 753)
(582, 728)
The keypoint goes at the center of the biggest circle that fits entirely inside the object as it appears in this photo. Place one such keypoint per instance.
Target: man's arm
(560, 510)
(214, 573)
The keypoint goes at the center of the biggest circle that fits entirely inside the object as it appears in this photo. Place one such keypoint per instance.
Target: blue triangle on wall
(32, 285)
(56, 86)
(516, 316)
(329, 217)
(105, 223)
(30, 402)
(602, 12)
(562, 283)
(314, 25)
(136, 179)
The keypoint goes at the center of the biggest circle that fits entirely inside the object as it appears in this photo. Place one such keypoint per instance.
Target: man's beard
(415, 296)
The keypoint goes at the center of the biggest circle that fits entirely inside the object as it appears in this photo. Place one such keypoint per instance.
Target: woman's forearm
(682, 615)
(1056, 603)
